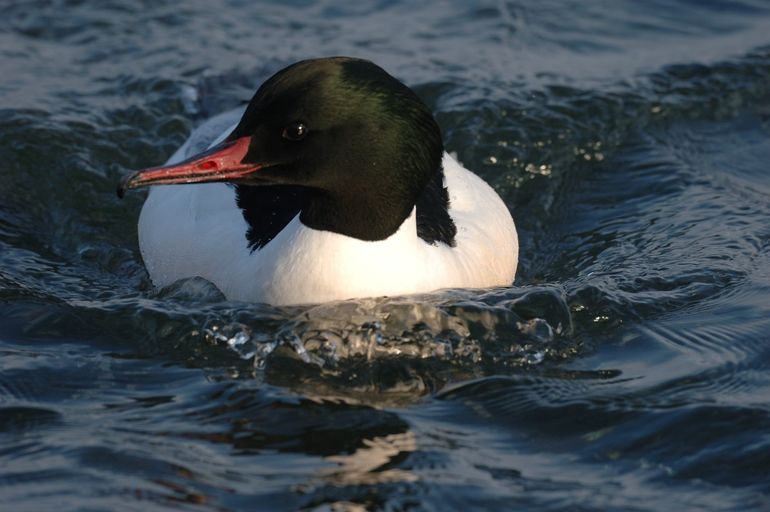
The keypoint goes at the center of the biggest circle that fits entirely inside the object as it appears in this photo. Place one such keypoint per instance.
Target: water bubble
(538, 329)
(240, 339)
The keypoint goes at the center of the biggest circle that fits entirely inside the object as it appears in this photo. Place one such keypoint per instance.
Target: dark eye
(295, 131)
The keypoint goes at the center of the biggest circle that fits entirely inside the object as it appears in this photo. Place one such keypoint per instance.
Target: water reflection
(372, 463)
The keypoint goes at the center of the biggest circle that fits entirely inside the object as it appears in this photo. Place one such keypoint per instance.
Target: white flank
(198, 230)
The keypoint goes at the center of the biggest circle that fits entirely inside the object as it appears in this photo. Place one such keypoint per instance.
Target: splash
(502, 328)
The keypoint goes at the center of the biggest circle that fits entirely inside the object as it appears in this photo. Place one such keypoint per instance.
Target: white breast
(198, 230)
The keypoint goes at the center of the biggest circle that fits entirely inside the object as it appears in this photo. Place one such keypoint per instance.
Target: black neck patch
(268, 210)
(434, 224)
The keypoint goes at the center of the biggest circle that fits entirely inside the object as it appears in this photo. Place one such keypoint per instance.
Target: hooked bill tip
(124, 185)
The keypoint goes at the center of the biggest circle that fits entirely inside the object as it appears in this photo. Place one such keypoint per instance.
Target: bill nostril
(207, 165)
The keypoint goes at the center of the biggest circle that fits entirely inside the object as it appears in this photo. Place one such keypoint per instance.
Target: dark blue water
(627, 369)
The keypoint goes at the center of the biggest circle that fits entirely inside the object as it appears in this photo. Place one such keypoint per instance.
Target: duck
(332, 184)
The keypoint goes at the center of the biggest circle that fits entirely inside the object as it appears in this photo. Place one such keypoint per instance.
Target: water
(628, 369)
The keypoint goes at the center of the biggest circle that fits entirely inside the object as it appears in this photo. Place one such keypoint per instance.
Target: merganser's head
(353, 137)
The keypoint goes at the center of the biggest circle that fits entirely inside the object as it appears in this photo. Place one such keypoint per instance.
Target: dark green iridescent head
(362, 144)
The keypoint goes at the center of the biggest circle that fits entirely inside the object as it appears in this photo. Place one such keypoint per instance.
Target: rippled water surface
(627, 369)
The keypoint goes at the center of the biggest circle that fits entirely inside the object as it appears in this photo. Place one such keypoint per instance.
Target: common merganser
(333, 185)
